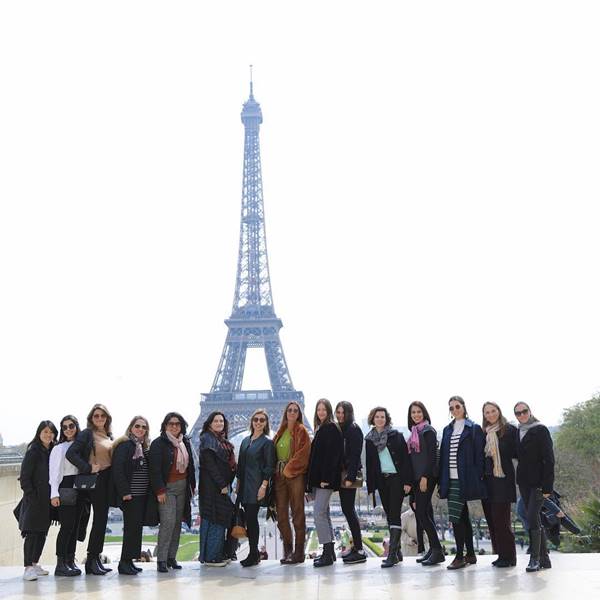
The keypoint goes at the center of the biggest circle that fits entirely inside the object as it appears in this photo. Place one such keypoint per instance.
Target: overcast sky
(431, 195)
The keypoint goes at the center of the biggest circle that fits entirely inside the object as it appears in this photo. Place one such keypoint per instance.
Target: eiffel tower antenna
(253, 322)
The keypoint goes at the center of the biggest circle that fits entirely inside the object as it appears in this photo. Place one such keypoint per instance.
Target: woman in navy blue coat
(461, 477)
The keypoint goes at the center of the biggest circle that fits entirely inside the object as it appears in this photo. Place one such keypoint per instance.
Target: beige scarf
(182, 454)
(492, 449)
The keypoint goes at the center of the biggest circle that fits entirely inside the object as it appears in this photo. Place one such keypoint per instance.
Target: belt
(386, 475)
(281, 466)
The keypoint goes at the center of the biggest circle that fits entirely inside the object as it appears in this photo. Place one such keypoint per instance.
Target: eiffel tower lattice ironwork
(253, 322)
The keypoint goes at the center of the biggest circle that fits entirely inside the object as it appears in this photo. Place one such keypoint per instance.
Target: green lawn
(188, 544)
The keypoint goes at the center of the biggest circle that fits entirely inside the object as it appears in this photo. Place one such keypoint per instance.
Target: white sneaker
(39, 570)
(29, 574)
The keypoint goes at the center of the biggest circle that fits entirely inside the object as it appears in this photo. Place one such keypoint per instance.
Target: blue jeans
(212, 540)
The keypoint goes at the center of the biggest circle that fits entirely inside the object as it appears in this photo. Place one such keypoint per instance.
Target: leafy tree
(580, 430)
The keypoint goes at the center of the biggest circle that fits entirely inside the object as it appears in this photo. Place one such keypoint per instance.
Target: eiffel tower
(253, 322)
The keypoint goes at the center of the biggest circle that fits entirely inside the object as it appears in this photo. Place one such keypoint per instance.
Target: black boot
(252, 559)
(435, 558)
(394, 554)
(71, 564)
(173, 564)
(327, 558)
(125, 568)
(534, 545)
(92, 565)
(544, 558)
(138, 569)
(425, 556)
(62, 568)
(161, 566)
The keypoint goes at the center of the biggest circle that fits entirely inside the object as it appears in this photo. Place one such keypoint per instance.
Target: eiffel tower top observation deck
(253, 322)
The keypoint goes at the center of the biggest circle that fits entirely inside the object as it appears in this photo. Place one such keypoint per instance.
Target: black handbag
(67, 496)
(85, 482)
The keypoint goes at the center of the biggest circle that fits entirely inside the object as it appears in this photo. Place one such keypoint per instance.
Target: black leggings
(99, 499)
(33, 547)
(347, 500)
(463, 533)
(252, 528)
(391, 491)
(424, 512)
(69, 517)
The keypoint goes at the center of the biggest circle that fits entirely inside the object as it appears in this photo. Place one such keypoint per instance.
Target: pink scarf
(183, 458)
(414, 445)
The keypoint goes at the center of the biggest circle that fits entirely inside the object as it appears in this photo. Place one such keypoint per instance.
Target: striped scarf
(493, 450)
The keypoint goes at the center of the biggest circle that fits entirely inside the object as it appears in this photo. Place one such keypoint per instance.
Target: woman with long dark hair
(217, 471)
(535, 476)
(389, 471)
(461, 477)
(499, 477)
(351, 468)
(35, 510)
(324, 476)
(256, 467)
(131, 476)
(173, 481)
(91, 452)
(292, 445)
(65, 498)
(422, 447)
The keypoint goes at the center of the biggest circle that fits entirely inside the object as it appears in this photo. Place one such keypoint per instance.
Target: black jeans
(69, 517)
(348, 500)
(33, 547)
(252, 528)
(134, 511)
(424, 512)
(99, 500)
(391, 491)
(463, 533)
(533, 499)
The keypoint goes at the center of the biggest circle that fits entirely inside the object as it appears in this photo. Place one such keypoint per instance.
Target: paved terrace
(572, 574)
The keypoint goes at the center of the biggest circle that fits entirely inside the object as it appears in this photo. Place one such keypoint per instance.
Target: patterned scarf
(227, 447)
(139, 450)
(492, 449)
(183, 457)
(379, 439)
(414, 445)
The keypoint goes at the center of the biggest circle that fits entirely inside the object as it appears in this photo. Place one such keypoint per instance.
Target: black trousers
(134, 511)
(348, 501)
(463, 533)
(99, 500)
(533, 498)
(424, 512)
(391, 491)
(69, 517)
(33, 547)
(252, 528)
(497, 515)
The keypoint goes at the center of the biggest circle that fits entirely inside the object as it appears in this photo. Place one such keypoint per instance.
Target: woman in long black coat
(217, 471)
(35, 512)
(535, 476)
(256, 467)
(499, 478)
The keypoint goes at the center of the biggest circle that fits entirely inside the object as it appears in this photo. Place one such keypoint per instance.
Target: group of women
(87, 470)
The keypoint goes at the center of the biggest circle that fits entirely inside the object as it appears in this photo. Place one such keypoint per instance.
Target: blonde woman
(256, 467)
(132, 483)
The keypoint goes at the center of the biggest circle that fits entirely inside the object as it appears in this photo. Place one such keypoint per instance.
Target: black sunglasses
(259, 420)
(518, 413)
(67, 426)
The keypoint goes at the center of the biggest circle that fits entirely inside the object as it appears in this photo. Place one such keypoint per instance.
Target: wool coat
(396, 445)
(503, 489)
(536, 460)
(326, 455)
(470, 461)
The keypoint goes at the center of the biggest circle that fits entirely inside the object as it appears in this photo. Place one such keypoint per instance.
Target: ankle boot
(161, 566)
(252, 559)
(435, 558)
(62, 568)
(138, 569)
(173, 564)
(328, 556)
(534, 556)
(394, 554)
(125, 568)
(92, 565)
(72, 565)
(425, 556)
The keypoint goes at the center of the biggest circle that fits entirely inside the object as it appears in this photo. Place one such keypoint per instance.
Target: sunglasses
(519, 413)
(144, 427)
(68, 426)
(174, 424)
(259, 420)
(456, 407)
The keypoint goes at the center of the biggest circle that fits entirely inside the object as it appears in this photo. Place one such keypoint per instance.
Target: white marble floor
(571, 574)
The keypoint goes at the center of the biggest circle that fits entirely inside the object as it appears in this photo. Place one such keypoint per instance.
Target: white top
(60, 467)
(459, 425)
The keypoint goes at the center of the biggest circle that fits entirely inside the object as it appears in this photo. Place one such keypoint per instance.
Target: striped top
(459, 425)
(140, 478)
